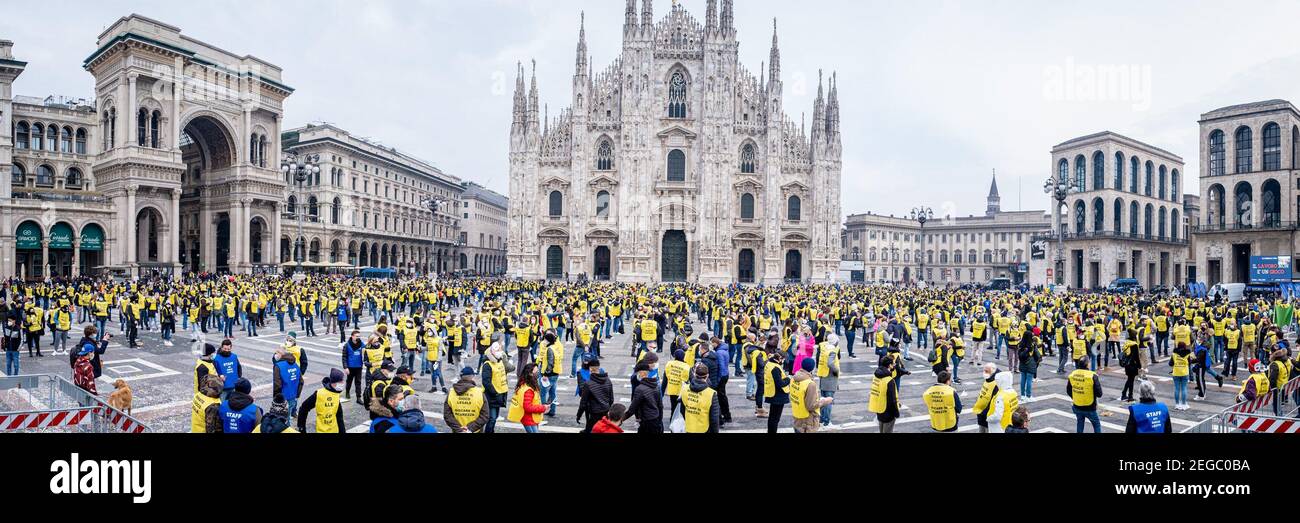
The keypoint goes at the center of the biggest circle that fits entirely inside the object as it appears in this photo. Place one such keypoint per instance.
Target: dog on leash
(120, 398)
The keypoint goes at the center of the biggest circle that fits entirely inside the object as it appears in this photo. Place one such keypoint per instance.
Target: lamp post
(1059, 190)
(921, 215)
(302, 168)
(433, 204)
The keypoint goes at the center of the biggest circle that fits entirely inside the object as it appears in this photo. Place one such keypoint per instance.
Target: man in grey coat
(830, 383)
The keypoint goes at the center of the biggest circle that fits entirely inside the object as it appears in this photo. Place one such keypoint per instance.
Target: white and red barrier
(121, 421)
(1243, 417)
(45, 420)
(1267, 425)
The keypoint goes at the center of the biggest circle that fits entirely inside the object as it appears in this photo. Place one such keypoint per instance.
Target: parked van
(1232, 292)
(1124, 285)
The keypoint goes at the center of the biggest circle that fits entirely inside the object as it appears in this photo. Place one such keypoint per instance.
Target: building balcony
(1091, 235)
(60, 197)
(747, 223)
(1266, 225)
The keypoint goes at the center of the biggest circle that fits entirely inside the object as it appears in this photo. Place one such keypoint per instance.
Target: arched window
(747, 159)
(142, 127)
(1217, 209)
(1146, 223)
(1244, 207)
(943, 257)
(252, 149)
(52, 138)
(312, 208)
(676, 166)
(1217, 154)
(65, 141)
(1160, 229)
(1080, 217)
(155, 121)
(604, 156)
(292, 207)
(1133, 219)
(81, 141)
(1244, 148)
(677, 95)
(956, 257)
(988, 256)
(72, 177)
(1133, 174)
(17, 175)
(1098, 215)
(1098, 171)
(38, 137)
(871, 255)
(1272, 147)
(1117, 217)
(1270, 196)
(1080, 173)
(261, 155)
(602, 204)
(557, 204)
(1173, 186)
(22, 135)
(1063, 172)
(746, 206)
(792, 209)
(1161, 185)
(1119, 171)
(44, 175)
(1174, 224)
(1147, 183)
(334, 211)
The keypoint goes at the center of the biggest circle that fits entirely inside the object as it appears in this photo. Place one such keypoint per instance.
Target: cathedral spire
(711, 16)
(581, 66)
(995, 201)
(532, 99)
(774, 65)
(520, 108)
(629, 16)
(647, 13)
(728, 17)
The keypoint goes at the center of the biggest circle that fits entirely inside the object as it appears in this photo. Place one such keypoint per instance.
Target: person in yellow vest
(525, 404)
(700, 407)
(1003, 404)
(494, 369)
(1181, 360)
(677, 376)
(465, 410)
(1278, 376)
(988, 392)
(883, 400)
(61, 323)
(943, 404)
(205, 412)
(806, 402)
(432, 357)
(1084, 389)
(327, 401)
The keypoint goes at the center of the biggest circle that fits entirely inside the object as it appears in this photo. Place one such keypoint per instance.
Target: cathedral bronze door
(554, 263)
(673, 256)
(602, 263)
(746, 274)
(793, 266)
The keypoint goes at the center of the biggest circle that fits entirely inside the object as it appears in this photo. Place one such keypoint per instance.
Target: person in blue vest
(341, 315)
(407, 416)
(353, 361)
(1148, 416)
(228, 367)
(239, 415)
(287, 379)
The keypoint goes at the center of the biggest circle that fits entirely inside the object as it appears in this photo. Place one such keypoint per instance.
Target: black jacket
(596, 395)
(891, 398)
(715, 416)
(710, 361)
(647, 405)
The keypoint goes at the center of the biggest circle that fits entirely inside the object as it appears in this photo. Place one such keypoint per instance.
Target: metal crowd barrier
(50, 403)
(1247, 416)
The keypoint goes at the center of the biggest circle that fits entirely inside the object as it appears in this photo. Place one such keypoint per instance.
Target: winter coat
(449, 417)
(715, 416)
(647, 405)
(604, 426)
(597, 395)
(710, 361)
(83, 375)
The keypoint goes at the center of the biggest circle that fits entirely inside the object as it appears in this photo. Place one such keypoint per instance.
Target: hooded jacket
(996, 406)
(710, 361)
(97, 348)
(604, 426)
(238, 401)
(647, 405)
(212, 416)
(411, 421)
(274, 424)
(449, 416)
(715, 416)
(310, 403)
(597, 395)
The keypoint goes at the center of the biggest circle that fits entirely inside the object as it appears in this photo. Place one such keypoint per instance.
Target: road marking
(161, 372)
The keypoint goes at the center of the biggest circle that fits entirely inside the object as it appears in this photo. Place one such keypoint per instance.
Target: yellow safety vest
(498, 375)
(769, 386)
(823, 359)
(798, 389)
(1180, 364)
(880, 394)
(649, 330)
(465, 408)
(374, 356)
(941, 402)
(1081, 383)
(516, 412)
(432, 348)
(1010, 402)
(697, 405)
(327, 401)
(677, 373)
(198, 412)
(1261, 384)
(212, 371)
(549, 358)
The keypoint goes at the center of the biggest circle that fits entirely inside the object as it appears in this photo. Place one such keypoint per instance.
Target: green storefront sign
(92, 238)
(61, 236)
(29, 236)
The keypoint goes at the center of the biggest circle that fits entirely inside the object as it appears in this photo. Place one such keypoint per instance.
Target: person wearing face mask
(408, 418)
(494, 369)
(1004, 403)
(353, 360)
(375, 394)
(327, 403)
(465, 410)
(988, 391)
(525, 404)
(647, 403)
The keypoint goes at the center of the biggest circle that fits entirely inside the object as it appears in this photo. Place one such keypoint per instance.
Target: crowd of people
(786, 342)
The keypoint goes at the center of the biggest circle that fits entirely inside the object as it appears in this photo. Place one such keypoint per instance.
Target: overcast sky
(934, 94)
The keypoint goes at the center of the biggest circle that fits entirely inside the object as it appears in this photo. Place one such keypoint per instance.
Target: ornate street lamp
(433, 204)
(302, 168)
(921, 215)
(1059, 190)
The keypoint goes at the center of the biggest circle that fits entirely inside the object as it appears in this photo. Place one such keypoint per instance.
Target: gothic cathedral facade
(675, 164)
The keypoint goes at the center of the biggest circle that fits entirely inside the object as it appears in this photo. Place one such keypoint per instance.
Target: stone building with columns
(483, 230)
(173, 167)
(1124, 215)
(366, 207)
(675, 163)
(1250, 172)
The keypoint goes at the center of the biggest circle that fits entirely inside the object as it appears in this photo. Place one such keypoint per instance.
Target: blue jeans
(1180, 390)
(99, 325)
(531, 429)
(280, 316)
(826, 410)
(1027, 384)
(850, 335)
(408, 358)
(1091, 415)
(923, 338)
(548, 390)
(293, 406)
(12, 366)
(751, 384)
(839, 324)
(956, 365)
(491, 426)
(576, 361)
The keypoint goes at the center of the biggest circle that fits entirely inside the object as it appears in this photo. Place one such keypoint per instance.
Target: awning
(29, 236)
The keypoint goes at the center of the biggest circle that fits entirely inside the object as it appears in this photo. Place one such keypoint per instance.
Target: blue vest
(290, 379)
(343, 313)
(1149, 417)
(396, 428)
(238, 421)
(229, 367)
(354, 355)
